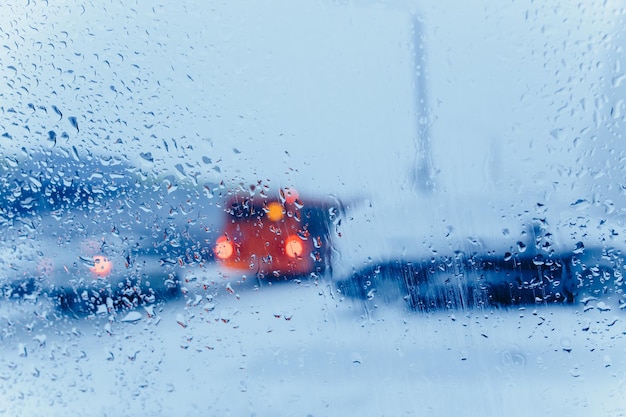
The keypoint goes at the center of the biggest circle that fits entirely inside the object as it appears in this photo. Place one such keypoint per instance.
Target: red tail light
(223, 248)
(102, 266)
(293, 246)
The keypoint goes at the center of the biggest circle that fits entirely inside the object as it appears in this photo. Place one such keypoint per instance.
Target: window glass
(312, 208)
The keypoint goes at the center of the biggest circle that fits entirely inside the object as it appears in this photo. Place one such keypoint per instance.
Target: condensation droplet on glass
(566, 344)
(147, 156)
(580, 204)
(580, 247)
(180, 319)
(74, 123)
(132, 317)
(22, 351)
(57, 111)
(617, 80)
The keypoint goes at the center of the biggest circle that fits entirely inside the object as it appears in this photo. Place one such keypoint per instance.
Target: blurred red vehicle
(281, 236)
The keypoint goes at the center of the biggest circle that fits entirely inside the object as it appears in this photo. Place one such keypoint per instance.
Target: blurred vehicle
(94, 234)
(485, 280)
(281, 236)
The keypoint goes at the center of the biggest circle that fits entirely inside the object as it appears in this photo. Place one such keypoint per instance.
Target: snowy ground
(299, 349)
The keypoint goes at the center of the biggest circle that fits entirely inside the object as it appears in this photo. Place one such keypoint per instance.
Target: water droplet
(57, 111)
(609, 206)
(580, 204)
(617, 80)
(575, 372)
(580, 247)
(74, 123)
(195, 301)
(132, 317)
(41, 339)
(181, 320)
(566, 345)
(557, 134)
(180, 169)
(521, 247)
(149, 311)
(12, 162)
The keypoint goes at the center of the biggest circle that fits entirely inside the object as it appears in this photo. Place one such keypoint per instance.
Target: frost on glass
(284, 206)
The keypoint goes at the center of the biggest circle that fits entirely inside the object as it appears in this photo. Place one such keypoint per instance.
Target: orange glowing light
(294, 246)
(275, 211)
(223, 248)
(102, 266)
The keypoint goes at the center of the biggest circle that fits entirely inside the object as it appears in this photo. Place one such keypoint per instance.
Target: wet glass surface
(315, 208)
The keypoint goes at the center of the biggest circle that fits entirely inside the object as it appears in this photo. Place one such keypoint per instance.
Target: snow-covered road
(298, 349)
